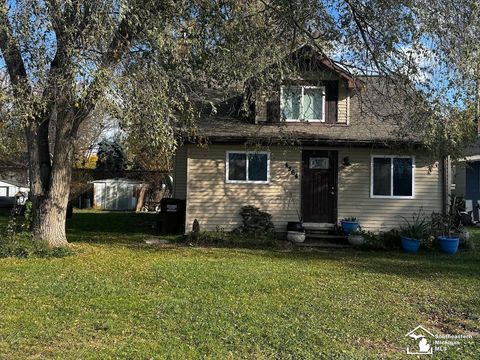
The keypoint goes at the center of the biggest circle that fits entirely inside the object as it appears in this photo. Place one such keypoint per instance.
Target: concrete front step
(318, 226)
(314, 235)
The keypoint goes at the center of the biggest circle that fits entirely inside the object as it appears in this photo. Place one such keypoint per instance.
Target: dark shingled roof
(366, 126)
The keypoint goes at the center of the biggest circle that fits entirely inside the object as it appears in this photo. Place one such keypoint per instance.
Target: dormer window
(302, 103)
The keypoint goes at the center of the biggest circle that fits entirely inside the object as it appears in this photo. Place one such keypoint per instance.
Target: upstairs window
(392, 177)
(247, 167)
(303, 103)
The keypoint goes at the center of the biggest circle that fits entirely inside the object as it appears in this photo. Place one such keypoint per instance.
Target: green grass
(121, 299)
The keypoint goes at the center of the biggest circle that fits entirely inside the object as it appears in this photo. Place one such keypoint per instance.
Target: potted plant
(413, 232)
(450, 238)
(349, 224)
(356, 237)
(295, 229)
(449, 243)
(448, 228)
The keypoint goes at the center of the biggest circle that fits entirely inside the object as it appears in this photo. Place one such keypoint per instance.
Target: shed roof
(14, 183)
(118, 180)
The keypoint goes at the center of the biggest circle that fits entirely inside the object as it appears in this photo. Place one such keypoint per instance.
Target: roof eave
(384, 143)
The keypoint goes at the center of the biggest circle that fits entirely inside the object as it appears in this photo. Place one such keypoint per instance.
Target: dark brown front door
(319, 186)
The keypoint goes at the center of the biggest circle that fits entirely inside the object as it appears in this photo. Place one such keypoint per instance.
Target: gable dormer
(319, 92)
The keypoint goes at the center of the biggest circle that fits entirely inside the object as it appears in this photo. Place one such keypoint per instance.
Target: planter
(449, 245)
(356, 240)
(410, 245)
(295, 226)
(349, 226)
(296, 236)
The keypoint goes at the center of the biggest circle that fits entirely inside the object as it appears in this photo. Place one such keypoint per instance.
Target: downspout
(477, 99)
(446, 184)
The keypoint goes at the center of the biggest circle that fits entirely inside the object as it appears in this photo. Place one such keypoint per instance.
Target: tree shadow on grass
(131, 229)
(464, 264)
(111, 227)
(113, 222)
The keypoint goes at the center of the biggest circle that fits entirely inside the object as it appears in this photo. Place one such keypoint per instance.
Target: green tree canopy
(149, 63)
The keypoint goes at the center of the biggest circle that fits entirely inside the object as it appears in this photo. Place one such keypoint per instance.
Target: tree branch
(363, 34)
(11, 53)
(120, 43)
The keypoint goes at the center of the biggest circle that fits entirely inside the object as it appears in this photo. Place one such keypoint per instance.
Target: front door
(319, 186)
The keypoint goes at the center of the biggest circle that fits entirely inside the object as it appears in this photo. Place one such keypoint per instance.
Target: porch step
(323, 235)
(318, 226)
(331, 237)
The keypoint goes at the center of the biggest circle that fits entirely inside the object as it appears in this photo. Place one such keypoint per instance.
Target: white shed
(116, 194)
(8, 190)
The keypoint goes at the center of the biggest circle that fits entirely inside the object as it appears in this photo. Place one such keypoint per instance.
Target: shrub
(444, 224)
(233, 238)
(208, 237)
(255, 221)
(383, 241)
(392, 239)
(18, 241)
(23, 245)
(372, 241)
(256, 230)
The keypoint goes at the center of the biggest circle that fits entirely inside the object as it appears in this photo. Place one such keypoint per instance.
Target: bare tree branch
(11, 52)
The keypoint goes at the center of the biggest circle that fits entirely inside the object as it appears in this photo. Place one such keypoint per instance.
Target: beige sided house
(310, 147)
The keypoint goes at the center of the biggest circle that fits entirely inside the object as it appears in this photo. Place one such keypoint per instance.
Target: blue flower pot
(349, 226)
(448, 245)
(410, 245)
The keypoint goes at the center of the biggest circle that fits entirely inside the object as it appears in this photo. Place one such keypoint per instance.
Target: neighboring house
(9, 190)
(15, 170)
(466, 179)
(310, 148)
(116, 194)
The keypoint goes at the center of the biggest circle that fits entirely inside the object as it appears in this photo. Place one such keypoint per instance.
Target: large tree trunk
(50, 178)
(49, 222)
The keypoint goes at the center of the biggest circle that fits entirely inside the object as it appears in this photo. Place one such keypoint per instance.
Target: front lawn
(118, 298)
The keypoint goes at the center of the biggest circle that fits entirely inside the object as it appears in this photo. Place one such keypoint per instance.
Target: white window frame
(283, 87)
(391, 157)
(227, 166)
(7, 190)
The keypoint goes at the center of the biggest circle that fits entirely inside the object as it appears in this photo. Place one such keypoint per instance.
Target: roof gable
(307, 58)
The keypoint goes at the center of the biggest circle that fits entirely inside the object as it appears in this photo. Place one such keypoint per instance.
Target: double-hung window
(392, 177)
(247, 167)
(302, 103)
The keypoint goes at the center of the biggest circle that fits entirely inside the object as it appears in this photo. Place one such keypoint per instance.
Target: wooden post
(141, 197)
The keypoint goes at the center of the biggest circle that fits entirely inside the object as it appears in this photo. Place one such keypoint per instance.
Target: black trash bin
(172, 216)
